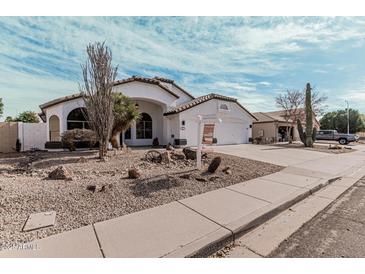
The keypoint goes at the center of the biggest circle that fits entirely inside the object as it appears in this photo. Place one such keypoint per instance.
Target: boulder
(61, 173)
(214, 164)
(189, 153)
(134, 173)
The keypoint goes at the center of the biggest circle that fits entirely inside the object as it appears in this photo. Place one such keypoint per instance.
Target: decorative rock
(82, 159)
(214, 164)
(201, 179)
(61, 173)
(189, 153)
(134, 173)
(91, 188)
(186, 176)
(169, 147)
(166, 157)
(177, 156)
(227, 170)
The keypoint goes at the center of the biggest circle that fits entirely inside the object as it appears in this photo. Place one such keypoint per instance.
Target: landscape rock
(61, 173)
(134, 173)
(82, 159)
(185, 176)
(178, 156)
(227, 170)
(91, 188)
(166, 157)
(189, 153)
(169, 147)
(214, 164)
(201, 179)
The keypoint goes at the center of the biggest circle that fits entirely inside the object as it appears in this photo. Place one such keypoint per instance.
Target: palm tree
(125, 113)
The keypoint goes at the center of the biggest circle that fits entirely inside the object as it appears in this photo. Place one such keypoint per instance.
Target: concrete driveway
(272, 154)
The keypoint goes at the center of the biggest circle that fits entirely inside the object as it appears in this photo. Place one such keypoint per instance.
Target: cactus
(309, 136)
(314, 134)
(308, 116)
(301, 132)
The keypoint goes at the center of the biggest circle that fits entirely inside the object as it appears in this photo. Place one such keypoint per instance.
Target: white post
(199, 148)
(348, 118)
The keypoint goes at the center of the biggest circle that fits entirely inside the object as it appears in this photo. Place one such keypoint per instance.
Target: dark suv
(333, 135)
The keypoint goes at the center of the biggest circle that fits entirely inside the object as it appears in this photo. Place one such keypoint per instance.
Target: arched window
(144, 127)
(223, 107)
(77, 119)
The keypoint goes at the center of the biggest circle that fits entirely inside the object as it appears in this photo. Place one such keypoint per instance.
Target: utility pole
(348, 117)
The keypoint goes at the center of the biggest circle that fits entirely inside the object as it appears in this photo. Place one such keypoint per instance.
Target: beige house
(272, 127)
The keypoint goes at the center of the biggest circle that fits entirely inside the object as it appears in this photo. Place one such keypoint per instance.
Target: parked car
(333, 135)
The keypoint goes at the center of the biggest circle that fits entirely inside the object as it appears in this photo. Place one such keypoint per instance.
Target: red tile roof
(203, 99)
(145, 80)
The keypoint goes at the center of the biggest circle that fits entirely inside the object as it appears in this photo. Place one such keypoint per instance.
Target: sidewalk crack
(205, 217)
(97, 239)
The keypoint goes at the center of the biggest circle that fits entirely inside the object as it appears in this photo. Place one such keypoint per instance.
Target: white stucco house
(168, 113)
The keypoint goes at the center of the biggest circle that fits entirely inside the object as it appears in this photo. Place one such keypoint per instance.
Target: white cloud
(41, 55)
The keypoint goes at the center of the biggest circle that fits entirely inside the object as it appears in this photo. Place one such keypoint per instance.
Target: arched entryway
(77, 119)
(54, 129)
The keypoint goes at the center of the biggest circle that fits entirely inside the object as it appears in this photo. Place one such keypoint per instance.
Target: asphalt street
(338, 231)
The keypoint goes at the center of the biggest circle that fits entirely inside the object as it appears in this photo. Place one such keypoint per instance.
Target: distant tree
(99, 76)
(338, 120)
(1, 107)
(25, 117)
(125, 113)
(9, 119)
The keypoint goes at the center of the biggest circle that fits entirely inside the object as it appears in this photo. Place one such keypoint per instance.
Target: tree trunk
(115, 140)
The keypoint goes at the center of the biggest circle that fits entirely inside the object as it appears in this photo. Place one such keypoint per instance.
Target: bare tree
(291, 101)
(99, 76)
(318, 102)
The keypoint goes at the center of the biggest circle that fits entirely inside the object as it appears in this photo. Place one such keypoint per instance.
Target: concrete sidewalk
(201, 224)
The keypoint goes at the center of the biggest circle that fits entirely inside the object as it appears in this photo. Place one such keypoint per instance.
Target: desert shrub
(71, 138)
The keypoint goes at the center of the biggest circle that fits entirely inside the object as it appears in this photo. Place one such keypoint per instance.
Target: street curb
(246, 227)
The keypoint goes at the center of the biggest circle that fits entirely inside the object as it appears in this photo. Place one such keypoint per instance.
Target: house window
(77, 119)
(144, 127)
(223, 107)
(128, 134)
(183, 122)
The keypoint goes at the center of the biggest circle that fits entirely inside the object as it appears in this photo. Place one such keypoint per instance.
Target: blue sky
(250, 58)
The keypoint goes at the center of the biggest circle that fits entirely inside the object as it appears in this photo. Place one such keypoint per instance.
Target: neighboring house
(168, 112)
(271, 126)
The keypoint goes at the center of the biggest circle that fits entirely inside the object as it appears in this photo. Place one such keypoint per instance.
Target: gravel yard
(25, 189)
(326, 148)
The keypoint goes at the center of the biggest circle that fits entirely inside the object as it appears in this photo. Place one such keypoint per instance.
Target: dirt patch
(24, 188)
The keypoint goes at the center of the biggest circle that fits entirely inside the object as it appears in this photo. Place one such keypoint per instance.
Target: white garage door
(231, 133)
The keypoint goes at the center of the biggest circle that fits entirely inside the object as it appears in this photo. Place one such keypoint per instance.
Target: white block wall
(32, 135)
